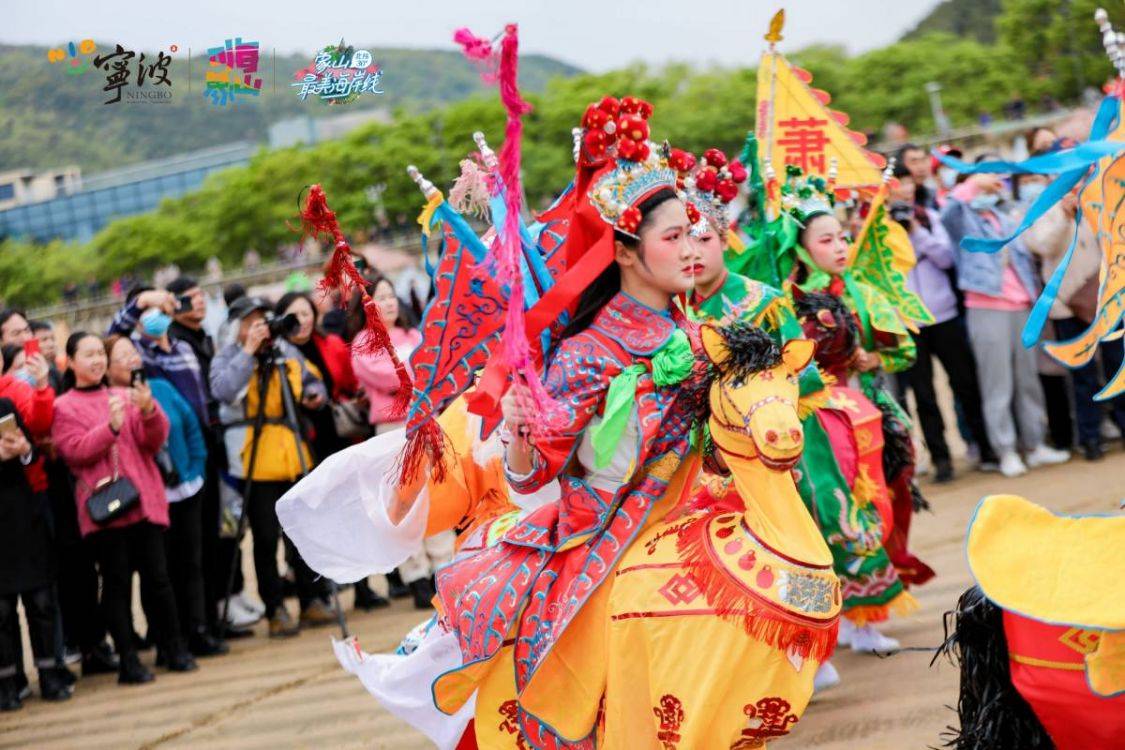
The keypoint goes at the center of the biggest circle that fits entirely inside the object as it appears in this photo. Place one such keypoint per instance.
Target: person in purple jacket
(945, 337)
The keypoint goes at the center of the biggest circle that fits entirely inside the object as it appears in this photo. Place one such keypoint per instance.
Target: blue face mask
(1030, 192)
(25, 376)
(984, 201)
(155, 323)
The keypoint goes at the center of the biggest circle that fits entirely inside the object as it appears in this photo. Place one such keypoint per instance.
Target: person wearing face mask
(999, 290)
(147, 319)
(1074, 308)
(945, 177)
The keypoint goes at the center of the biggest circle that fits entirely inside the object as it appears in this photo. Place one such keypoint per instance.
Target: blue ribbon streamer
(1040, 311)
(1071, 166)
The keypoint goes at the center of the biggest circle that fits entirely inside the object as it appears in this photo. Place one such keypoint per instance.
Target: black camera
(283, 326)
(902, 212)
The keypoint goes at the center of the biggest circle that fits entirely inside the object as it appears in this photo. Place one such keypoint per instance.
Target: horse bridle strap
(744, 428)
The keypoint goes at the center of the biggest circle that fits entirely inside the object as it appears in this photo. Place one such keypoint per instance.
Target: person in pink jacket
(102, 432)
(376, 372)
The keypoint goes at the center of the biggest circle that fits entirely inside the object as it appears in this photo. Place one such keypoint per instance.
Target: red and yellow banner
(795, 126)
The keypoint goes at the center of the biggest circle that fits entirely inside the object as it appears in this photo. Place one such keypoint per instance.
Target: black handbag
(113, 496)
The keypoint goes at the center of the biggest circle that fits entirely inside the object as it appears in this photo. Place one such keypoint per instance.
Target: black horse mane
(810, 302)
(991, 712)
(750, 350)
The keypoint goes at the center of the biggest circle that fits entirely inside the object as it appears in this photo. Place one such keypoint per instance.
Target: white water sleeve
(403, 683)
(337, 515)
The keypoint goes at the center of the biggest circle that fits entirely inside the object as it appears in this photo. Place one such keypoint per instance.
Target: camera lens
(283, 326)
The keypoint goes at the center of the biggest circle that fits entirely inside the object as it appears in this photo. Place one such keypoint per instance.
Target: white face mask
(948, 177)
(1030, 192)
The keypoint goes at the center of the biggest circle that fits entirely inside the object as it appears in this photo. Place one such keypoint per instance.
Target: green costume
(846, 512)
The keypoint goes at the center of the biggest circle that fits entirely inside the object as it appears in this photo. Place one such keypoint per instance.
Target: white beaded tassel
(1113, 42)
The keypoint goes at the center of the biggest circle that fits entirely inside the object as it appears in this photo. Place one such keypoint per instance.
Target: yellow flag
(1103, 201)
(795, 126)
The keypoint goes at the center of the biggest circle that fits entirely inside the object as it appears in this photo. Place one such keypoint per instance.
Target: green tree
(1057, 43)
(889, 83)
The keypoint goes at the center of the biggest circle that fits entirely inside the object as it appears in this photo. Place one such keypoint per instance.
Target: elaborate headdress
(500, 322)
(710, 188)
(619, 132)
(805, 197)
(617, 169)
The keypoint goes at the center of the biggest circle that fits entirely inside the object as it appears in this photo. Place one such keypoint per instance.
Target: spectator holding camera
(945, 338)
(109, 436)
(282, 455)
(147, 318)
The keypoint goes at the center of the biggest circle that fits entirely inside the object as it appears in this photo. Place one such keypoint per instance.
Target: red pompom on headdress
(714, 185)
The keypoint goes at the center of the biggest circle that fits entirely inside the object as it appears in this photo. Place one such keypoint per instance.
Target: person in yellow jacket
(282, 456)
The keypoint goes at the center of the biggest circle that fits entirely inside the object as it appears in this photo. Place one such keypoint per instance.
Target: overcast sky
(592, 34)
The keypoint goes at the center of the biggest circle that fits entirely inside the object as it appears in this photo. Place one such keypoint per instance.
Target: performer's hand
(514, 407)
(517, 417)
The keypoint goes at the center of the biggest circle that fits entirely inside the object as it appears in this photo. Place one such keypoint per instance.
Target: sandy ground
(271, 694)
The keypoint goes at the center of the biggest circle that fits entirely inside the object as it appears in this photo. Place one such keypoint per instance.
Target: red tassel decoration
(342, 275)
(429, 446)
